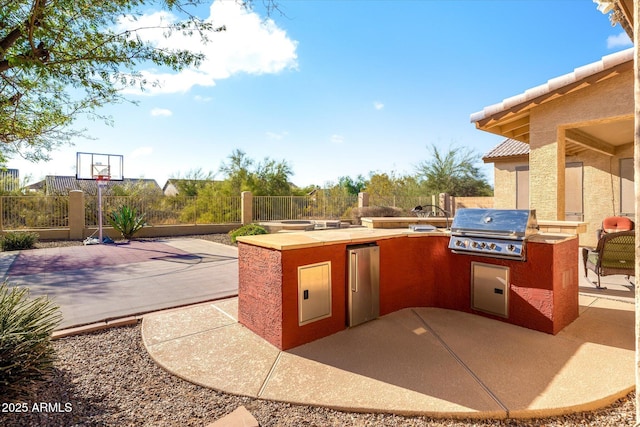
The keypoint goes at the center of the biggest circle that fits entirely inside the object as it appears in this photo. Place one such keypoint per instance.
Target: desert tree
(60, 59)
(193, 182)
(453, 172)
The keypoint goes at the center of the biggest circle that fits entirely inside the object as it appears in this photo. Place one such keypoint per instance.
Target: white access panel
(314, 292)
(490, 288)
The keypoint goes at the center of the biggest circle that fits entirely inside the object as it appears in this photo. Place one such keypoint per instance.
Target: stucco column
(76, 215)
(246, 207)
(546, 173)
(561, 183)
(363, 200)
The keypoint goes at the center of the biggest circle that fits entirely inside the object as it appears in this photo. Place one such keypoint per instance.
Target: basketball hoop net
(102, 179)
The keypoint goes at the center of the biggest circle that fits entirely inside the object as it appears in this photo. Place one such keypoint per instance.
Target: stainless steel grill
(495, 233)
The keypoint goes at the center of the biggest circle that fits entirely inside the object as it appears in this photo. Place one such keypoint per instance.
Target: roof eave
(491, 118)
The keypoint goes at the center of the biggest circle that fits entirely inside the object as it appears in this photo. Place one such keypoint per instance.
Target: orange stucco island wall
(416, 270)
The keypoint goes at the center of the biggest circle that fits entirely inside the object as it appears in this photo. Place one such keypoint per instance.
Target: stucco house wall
(607, 101)
(505, 188)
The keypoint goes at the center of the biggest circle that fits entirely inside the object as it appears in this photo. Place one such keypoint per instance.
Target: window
(522, 187)
(574, 209)
(573, 206)
(627, 194)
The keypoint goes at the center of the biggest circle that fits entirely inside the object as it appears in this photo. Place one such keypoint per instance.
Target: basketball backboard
(97, 166)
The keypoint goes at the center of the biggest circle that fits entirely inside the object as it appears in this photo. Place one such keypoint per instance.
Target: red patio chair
(614, 224)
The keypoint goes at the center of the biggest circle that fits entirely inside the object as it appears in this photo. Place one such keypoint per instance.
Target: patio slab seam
(604, 297)
(225, 313)
(458, 360)
(189, 335)
(269, 375)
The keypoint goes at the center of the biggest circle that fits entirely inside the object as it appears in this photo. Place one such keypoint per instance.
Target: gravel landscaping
(107, 379)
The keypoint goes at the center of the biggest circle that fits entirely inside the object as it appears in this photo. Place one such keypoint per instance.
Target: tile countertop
(308, 239)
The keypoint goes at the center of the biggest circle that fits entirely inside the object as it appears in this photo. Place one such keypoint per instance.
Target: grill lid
(504, 223)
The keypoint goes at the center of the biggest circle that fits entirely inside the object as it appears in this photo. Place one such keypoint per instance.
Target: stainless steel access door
(363, 283)
(490, 288)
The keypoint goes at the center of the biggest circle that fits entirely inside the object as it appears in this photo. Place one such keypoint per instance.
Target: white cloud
(250, 45)
(378, 105)
(161, 112)
(199, 98)
(621, 40)
(277, 136)
(141, 152)
(337, 139)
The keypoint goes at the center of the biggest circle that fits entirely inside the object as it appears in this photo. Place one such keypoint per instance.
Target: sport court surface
(98, 282)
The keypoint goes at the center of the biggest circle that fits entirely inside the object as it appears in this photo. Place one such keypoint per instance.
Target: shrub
(26, 353)
(14, 241)
(127, 221)
(247, 230)
(375, 211)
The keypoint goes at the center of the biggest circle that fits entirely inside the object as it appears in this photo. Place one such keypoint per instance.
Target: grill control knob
(459, 243)
(483, 245)
(474, 244)
(511, 248)
(492, 246)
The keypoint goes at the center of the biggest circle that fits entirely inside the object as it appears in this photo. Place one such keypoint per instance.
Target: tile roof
(556, 84)
(177, 181)
(507, 149)
(61, 185)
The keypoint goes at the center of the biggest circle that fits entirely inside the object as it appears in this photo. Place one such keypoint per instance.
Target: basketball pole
(100, 182)
(98, 167)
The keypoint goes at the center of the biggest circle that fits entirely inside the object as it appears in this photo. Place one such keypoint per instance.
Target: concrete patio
(423, 361)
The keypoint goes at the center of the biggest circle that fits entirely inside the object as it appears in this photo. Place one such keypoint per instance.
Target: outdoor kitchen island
(293, 287)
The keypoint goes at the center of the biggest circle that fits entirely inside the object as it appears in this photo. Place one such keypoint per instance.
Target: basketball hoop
(100, 168)
(102, 179)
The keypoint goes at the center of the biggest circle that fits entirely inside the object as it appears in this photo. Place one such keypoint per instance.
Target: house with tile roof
(579, 130)
(173, 185)
(56, 185)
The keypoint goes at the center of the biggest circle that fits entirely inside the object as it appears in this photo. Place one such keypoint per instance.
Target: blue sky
(342, 88)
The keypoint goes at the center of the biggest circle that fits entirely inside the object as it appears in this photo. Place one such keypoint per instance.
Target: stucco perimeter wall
(504, 190)
(605, 101)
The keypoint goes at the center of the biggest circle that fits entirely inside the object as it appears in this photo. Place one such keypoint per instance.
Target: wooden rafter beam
(585, 140)
(516, 124)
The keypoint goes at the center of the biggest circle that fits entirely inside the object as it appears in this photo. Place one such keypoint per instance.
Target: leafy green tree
(237, 171)
(135, 188)
(63, 58)
(194, 182)
(454, 173)
(269, 177)
(351, 185)
(381, 187)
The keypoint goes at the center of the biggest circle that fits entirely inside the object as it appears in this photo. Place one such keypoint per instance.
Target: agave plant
(127, 221)
(26, 353)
